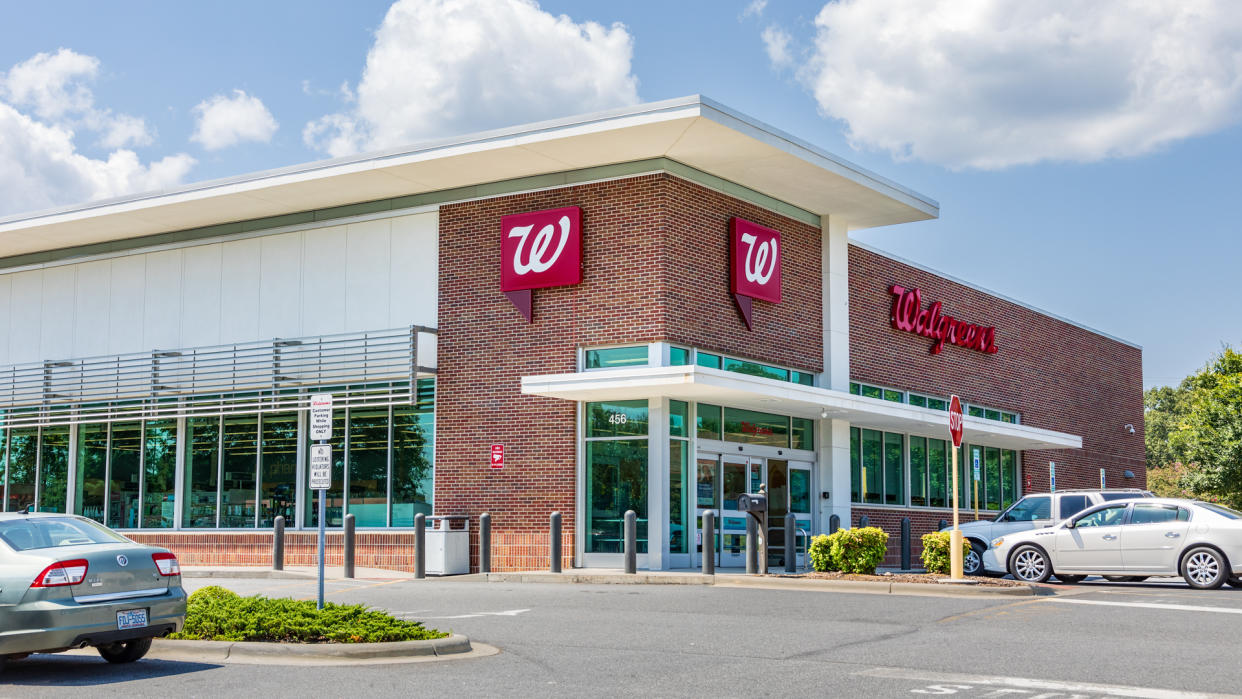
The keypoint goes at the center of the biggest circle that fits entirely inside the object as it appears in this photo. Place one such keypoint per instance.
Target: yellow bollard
(955, 537)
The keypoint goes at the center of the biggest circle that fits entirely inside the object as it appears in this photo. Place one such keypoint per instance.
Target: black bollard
(905, 543)
(791, 553)
(631, 542)
(709, 543)
(420, 546)
(485, 543)
(554, 542)
(834, 524)
(278, 543)
(752, 546)
(349, 546)
(863, 522)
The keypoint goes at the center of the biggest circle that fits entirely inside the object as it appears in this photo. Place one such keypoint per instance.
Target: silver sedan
(68, 582)
(1130, 540)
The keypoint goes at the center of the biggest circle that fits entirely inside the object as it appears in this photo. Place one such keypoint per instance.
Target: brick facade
(1056, 375)
(655, 249)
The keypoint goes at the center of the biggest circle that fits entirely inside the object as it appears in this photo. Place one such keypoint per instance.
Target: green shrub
(936, 552)
(216, 614)
(858, 550)
(821, 553)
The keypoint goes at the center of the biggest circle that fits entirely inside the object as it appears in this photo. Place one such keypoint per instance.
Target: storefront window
(678, 412)
(803, 433)
(894, 480)
(23, 467)
(753, 427)
(160, 467)
(755, 369)
(802, 378)
(241, 454)
(615, 357)
(616, 418)
(918, 471)
(992, 477)
(125, 460)
(368, 466)
(335, 506)
(616, 482)
(678, 356)
(1009, 477)
(855, 465)
(202, 471)
(799, 490)
(708, 418)
(711, 361)
(872, 465)
(678, 465)
(92, 475)
(413, 447)
(54, 469)
(278, 467)
(937, 472)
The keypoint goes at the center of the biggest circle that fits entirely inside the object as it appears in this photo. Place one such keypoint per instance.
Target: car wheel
(972, 564)
(1204, 568)
(1070, 579)
(1234, 582)
(125, 651)
(1030, 564)
(1125, 578)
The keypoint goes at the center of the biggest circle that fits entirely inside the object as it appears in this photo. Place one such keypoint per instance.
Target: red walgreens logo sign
(910, 316)
(755, 261)
(539, 249)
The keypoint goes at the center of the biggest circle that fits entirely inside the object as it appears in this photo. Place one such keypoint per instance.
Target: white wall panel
(366, 276)
(414, 270)
(162, 309)
(90, 318)
(371, 275)
(126, 304)
(6, 289)
(25, 318)
(239, 291)
(323, 281)
(200, 295)
(56, 341)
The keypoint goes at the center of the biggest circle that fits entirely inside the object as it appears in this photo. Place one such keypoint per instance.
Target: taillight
(167, 564)
(63, 573)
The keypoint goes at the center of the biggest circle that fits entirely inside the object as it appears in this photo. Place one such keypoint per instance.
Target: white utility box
(448, 545)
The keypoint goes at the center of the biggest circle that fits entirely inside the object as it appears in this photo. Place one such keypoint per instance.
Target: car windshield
(1221, 510)
(1028, 509)
(49, 532)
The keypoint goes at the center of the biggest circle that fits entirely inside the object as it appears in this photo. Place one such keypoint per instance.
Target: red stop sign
(955, 420)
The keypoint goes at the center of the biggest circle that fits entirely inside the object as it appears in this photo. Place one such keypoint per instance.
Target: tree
(1208, 429)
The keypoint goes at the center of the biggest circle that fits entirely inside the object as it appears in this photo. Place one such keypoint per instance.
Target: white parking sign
(321, 416)
(321, 466)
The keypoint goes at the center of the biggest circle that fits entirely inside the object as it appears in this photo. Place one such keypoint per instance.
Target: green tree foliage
(1210, 433)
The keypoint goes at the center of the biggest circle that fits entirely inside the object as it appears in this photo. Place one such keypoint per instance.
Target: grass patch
(216, 614)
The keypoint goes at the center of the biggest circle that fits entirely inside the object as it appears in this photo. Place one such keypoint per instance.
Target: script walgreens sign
(910, 316)
(539, 249)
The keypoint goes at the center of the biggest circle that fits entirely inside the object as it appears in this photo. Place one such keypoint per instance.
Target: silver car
(69, 582)
(1131, 539)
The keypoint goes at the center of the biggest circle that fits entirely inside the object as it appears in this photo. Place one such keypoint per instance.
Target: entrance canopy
(696, 383)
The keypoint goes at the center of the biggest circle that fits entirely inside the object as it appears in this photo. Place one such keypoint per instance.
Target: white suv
(1034, 512)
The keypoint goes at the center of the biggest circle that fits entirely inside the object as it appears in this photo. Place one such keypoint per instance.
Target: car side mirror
(1069, 524)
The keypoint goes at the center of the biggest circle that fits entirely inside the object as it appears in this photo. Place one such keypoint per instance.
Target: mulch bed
(927, 578)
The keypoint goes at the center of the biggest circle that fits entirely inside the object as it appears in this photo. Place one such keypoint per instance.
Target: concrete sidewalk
(292, 573)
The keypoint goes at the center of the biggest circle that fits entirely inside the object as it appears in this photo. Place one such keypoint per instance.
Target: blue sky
(1086, 157)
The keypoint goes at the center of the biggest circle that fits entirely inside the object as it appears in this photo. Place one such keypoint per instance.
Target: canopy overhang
(695, 383)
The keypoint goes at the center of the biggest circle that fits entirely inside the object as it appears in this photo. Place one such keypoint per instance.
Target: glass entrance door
(778, 507)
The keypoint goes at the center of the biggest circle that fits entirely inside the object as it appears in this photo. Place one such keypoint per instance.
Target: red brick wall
(1058, 376)
(655, 266)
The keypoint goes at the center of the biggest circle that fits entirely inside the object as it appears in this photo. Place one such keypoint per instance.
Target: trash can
(448, 545)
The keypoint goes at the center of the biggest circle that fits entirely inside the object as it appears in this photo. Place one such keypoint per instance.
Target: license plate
(131, 619)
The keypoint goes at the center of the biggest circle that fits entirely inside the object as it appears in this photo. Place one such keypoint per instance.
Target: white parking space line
(952, 683)
(508, 612)
(1148, 605)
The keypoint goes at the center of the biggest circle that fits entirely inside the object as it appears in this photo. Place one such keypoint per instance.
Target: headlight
(996, 543)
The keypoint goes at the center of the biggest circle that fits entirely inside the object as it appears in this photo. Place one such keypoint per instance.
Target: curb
(257, 573)
(881, 588)
(600, 579)
(454, 645)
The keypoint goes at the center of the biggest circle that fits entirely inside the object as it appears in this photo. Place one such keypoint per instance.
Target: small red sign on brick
(498, 456)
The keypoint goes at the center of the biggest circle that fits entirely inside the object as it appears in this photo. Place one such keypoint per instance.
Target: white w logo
(538, 247)
(755, 272)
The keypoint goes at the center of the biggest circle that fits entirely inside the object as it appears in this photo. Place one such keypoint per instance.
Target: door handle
(1109, 537)
(1172, 535)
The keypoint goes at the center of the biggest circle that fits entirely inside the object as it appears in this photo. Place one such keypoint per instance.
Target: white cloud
(40, 166)
(225, 121)
(755, 8)
(776, 41)
(442, 67)
(982, 84)
(55, 87)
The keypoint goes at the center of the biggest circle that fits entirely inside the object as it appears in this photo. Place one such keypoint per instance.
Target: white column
(834, 435)
(657, 484)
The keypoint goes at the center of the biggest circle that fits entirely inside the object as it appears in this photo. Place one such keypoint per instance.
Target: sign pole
(955, 537)
(321, 468)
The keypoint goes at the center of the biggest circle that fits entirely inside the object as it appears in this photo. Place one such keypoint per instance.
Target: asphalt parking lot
(1152, 639)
